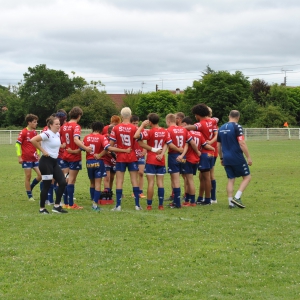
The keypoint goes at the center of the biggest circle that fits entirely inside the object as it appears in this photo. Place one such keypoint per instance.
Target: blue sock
(33, 183)
(188, 197)
(108, 189)
(200, 199)
(92, 192)
(213, 189)
(119, 193)
(96, 196)
(55, 187)
(161, 195)
(50, 193)
(65, 196)
(29, 194)
(177, 197)
(207, 200)
(136, 190)
(70, 190)
(149, 202)
(192, 198)
(140, 191)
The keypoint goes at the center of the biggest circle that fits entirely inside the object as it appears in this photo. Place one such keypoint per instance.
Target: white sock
(238, 194)
(229, 200)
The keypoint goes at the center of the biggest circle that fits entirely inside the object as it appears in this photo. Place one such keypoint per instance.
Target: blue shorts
(62, 164)
(121, 166)
(111, 169)
(95, 168)
(141, 161)
(173, 165)
(190, 168)
(30, 164)
(206, 162)
(237, 170)
(73, 165)
(154, 170)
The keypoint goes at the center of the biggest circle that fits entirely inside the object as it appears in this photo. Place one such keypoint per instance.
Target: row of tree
(44, 90)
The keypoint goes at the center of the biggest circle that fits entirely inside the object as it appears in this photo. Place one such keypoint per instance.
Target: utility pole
(284, 82)
(143, 86)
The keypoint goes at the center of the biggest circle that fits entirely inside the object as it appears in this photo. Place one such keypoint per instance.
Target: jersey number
(126, 139)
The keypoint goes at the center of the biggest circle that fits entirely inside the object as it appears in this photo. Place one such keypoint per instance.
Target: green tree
(132, 100)
(96, 105)
(43, 88)
(260, 89)
(272, 116)
(294, 96)
(249, 110)
(161, 102)
(11, 108)
(220, 90)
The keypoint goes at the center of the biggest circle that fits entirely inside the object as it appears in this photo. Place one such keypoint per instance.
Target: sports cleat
(175, 206)
(59, 210)
(214, 201)
(171, 204)
(142, 195)
(44, 212)
(96, 208)
(117, 208)
(149, 207)
(186, 203)
(193, 204)
(238, 202)
(232, 206)
(138, 208)
(161, 207)
(31, 199)
(65, 206)
(75, 206)
(199, 202)
(204, 203)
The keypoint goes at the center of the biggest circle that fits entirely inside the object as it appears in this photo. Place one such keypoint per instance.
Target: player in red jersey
(157, 139)
(180, 136)
(192, 158)
(114, 120)
(70, 135)
(212, 171)
(94, 162)
(123, 136)
(140, 154)
(27, 154)
(208, 128)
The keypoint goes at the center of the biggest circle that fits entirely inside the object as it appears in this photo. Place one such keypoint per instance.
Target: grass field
(194, 253)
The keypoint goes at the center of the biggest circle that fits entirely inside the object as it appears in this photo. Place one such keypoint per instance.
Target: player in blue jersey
(232, 148)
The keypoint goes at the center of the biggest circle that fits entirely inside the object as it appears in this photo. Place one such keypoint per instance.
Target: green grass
(193, 253)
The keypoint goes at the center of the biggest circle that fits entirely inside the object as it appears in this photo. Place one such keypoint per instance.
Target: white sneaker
(138, 208)
(31, 199)
(117, 208)
(47, 202)
(214, 201)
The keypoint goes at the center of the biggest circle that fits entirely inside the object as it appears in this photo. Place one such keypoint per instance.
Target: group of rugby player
(122, 145)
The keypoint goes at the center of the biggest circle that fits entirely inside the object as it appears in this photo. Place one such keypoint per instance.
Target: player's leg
(120, 172)
(213, 184)
(141, 179)
(206, 182)
(71, 188)
(27, 173)
(175, 178)
(160, 190)
(135, 187)
(38, 178)
(150, 190)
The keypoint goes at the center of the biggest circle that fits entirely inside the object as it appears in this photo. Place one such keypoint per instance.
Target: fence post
(10, 137)
(268, 136)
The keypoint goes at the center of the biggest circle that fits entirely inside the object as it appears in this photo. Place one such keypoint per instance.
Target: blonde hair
(171, 118)
(126, 113)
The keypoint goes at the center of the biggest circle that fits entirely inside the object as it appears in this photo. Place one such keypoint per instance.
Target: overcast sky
(136, 44)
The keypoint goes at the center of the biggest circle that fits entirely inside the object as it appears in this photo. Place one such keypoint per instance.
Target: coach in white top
(48, 142)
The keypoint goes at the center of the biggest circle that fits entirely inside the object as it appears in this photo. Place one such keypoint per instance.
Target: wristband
(155, 149)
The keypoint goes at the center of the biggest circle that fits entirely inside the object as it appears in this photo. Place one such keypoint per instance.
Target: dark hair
(97, 126)
(201, 110)
(50, 121)
(30, 118)
(153, 118)
(134, 119)
(187, 120)
(180, 115)
(75, 112)
(62, 116)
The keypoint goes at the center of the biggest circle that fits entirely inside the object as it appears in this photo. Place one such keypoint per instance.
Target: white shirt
(51, 142)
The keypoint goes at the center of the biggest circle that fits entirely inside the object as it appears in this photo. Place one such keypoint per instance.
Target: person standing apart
(27, 154)
(48, 142)
(232, 148)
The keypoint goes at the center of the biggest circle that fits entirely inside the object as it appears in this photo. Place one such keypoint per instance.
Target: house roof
(118, 99)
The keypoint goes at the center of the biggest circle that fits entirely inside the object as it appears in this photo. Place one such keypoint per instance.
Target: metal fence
(256, 134)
